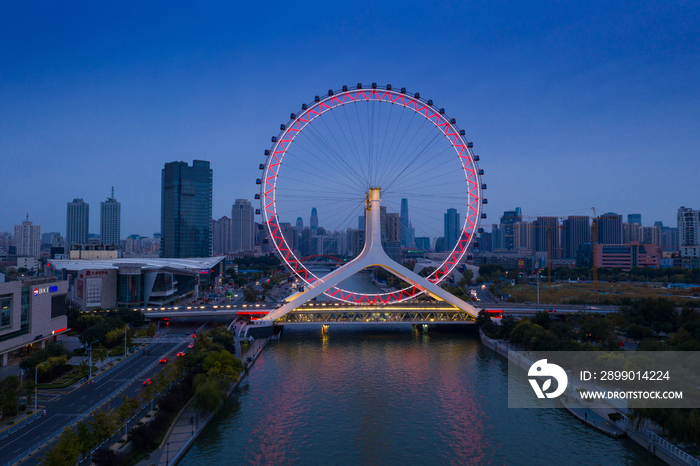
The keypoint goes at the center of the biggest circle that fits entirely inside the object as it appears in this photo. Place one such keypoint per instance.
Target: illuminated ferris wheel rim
(349, 95)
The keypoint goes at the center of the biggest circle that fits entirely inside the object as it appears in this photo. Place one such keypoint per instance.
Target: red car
(194, 335)
(163, 361)
(180, 354)
(147, 382)
(190, 346)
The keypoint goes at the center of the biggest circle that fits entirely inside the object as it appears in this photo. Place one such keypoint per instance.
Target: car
(163, 360)
(194, 335)
(190, 346)
(147, 382)
(180, 354)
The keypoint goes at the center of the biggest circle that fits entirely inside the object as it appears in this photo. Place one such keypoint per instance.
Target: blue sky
(571, 105)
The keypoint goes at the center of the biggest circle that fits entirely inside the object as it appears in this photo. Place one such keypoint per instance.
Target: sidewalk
(597, 418)
(189, 422)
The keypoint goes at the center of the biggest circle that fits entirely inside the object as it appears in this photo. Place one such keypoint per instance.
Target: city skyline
(593, 100)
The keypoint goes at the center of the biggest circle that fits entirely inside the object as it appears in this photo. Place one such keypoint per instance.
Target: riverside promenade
(190, 422)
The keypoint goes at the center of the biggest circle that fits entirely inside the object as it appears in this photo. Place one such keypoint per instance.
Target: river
(392, 396)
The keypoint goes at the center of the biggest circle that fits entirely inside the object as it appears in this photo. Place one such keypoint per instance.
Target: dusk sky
(570, 105)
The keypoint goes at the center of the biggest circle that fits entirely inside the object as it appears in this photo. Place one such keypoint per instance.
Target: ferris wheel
(346, 142)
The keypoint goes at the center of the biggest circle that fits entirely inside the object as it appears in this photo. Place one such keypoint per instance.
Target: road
(68, 407)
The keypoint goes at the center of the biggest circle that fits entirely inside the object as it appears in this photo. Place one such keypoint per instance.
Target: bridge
(256, 311)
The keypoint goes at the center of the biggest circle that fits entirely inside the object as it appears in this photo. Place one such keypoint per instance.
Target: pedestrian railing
(24, 422)
(657, 442)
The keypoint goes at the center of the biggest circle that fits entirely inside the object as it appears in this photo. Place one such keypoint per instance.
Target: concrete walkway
(593, 418)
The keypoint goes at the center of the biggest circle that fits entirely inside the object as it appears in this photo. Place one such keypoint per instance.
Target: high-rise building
(524, 236)
(110, 221)
(510, 218)
(577, 231)
(423, 243)
(28, 239)
(485, 242)
(361, 223)
(242, 226)
(221, 235)
(631, 232)
(688, 227)
(634, 218)
(610, 228)
(186, 205)
(548, 227)
(77, 222)
(451, 229)
(313, 222)
(406, 228)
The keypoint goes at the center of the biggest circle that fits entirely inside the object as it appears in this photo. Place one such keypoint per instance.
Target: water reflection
(363, 395)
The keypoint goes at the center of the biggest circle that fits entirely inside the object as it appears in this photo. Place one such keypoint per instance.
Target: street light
(90, 353)
(126, 327)
(35, 383)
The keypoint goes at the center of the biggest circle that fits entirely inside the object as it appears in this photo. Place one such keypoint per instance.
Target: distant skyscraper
(77, 222)
(610, 228)
(28, 239)
(688, 227)
(405, 224)
(634, 218)
(221, 235)
(545, 224)
(361, 223)
(423, 243)
(300, 224)
(451, 229)
(313, 223)
(186, 205)
(510, 217)
(577, 230)
(110, 221)
(242, 226)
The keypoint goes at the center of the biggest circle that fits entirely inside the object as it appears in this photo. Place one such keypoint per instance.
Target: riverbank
(189, 422)
(651, 441)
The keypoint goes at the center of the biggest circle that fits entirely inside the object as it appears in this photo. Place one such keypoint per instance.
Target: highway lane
(70, 406)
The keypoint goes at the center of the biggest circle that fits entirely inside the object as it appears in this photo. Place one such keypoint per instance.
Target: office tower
(406, 239)
(300, 224)
(110, 221)
(313, 223)
(548, 227)
(242, 226)
(28, 239)
(496, 237)
(577, 230)
(688, 227)
(423, 243)
(610, 228)
(77, 222)
(221, 235)
(451, 229)
(510, 217)
(288, 232)
(393, 228)
(634, 218)
(523, 236)
(361, 223)
(631, 232)
(185, 215)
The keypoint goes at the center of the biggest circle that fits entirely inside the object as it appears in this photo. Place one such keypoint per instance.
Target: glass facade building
(186, 210)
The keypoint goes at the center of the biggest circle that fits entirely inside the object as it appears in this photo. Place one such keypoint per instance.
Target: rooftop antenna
(27, 216)
(112, 192)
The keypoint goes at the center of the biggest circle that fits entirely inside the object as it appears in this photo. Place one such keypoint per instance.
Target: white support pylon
(372, 255)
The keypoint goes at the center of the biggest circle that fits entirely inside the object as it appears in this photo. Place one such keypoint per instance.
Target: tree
(127, 408)
(65, 452)
(9, 391)
(104, 424)
(107, 457)
(223, 365)
(208, 395)
(85, 437)
(250, 294)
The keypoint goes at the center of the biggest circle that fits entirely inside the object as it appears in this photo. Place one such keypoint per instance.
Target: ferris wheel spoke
(327, 176)
(350, 148)
(331, 152)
